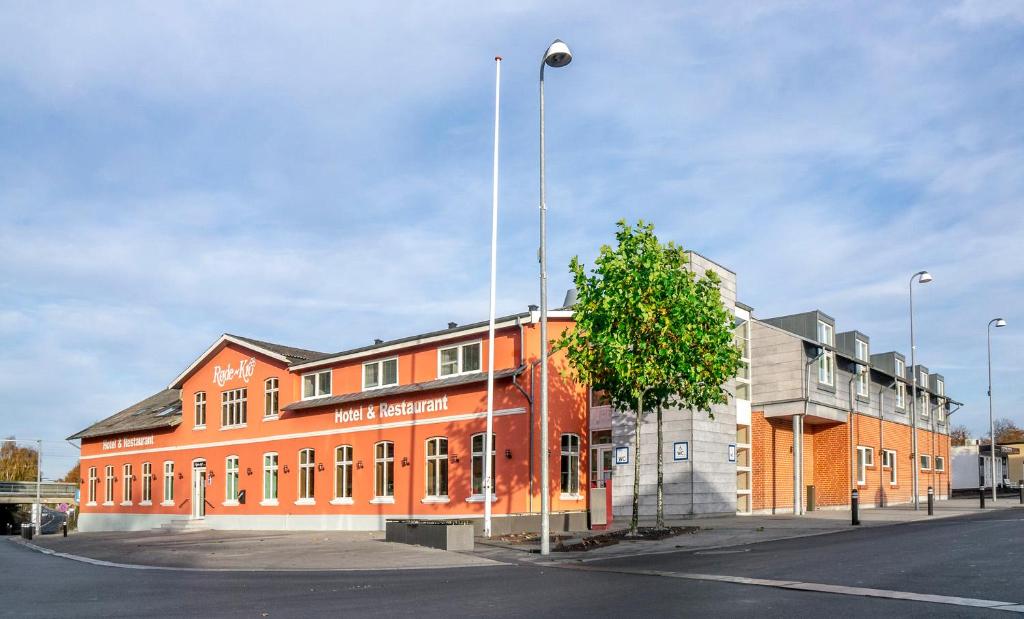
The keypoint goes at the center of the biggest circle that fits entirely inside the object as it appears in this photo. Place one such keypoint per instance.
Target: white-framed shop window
(569, 465)
(93, 483)
(126, 485)
(147, 483)
(168, 483)
(231, 480)
(270, 466)
(108, 485)
(477, 447)
(437, 468)
(343, 473)
(307, 474)
(889, 464)
(384, 470)
(865, 459)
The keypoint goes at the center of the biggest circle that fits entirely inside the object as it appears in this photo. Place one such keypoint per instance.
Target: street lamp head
(558, 54)
(924, 277)
(999, 322)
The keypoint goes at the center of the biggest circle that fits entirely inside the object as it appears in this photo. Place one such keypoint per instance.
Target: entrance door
(600, 466)
(199, 489)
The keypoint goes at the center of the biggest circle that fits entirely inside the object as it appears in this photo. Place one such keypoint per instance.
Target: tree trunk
(635, 522)
(661, 485)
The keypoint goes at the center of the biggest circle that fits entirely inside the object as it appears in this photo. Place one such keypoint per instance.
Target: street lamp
(557, 55)
(923, 277)
(998, 322)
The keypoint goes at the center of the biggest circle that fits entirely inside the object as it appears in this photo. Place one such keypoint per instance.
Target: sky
(319, 175)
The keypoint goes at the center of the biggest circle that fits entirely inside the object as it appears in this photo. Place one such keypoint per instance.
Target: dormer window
(901, 388)
(316, 385)
(378, 374)
(460, 359)
(863, 373)
(827, 361)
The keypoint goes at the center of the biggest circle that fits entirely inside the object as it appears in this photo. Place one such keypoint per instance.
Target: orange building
(254, 435)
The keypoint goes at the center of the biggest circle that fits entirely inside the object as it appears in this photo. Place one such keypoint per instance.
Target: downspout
(881, 439)
(798, 436)
(853, 414)
(529, 400)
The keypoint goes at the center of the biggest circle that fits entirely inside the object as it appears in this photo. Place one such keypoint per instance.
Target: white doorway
(198, 489)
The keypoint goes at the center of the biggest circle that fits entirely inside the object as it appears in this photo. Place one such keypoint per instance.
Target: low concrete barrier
(443, 534)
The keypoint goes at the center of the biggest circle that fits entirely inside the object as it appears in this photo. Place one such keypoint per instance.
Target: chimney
(533, 308)
(452, 325)
(378, 341)
(570, 298)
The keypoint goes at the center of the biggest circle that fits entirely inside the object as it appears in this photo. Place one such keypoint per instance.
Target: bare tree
(959, 435)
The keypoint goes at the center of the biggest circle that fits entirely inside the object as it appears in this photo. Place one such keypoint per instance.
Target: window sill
(479, 498)
(126, 503)
(269, 502)
(345, 500)
(435, 500)
(271, 418)
(145, 503)
(230, 503)
(316, 397)
(568, 496)
(378, 387)
(382, 500)
(167, 504)
(91, 504)
(305, 502)
(203, 427)
(234, 427)
(108, 503)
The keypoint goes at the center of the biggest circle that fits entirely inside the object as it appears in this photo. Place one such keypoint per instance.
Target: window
(865, 458)
(92, 485)
(742, 340)
(231, 479)
(460, 359)
(384, 469)
(108, 485)
(307, 469)
(922, 395)
(599, 397)
(316, 385)
(168, 483)
(126, 486)
(901, 387)
(940, 408)
(889, 464)
(270, 479)
(377, 374)
(477, 465)
(147, 482)
(926, 462)
(200, 410)
(343, 472)
(940, 464)
(271, 403)
(827, 361)
(437, 467)
(940, 388)
(863, 373)
(570, 464)
(233, 408)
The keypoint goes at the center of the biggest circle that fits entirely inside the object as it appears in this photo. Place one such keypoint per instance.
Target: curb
(135, 566)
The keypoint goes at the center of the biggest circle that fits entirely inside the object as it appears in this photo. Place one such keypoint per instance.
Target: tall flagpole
(488, 437)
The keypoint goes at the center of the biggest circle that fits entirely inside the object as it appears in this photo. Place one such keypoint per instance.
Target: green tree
(650, 333)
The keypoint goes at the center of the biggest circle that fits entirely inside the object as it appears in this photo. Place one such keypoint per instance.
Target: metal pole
(991, 422)
(913, 401)
(488, 440)
(38, 516)
(545, 504)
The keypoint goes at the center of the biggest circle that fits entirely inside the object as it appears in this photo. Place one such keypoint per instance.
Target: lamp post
(923, 277)
(557, 55)
(998, 322)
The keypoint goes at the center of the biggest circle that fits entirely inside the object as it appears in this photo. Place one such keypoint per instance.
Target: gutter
(527, 396)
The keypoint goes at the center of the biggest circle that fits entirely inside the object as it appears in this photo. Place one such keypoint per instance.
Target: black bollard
(854, 500)
(931, 501)
(1022, 492)
(64, 529)
(981, 494)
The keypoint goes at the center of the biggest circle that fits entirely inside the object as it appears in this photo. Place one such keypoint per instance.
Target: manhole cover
(721, 552)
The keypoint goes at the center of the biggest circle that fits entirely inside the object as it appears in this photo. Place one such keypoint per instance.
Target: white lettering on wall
(385, 410)
(244, 371)
(131, 441)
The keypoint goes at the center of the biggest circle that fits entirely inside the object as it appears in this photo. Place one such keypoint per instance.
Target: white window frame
(863, 373)
(889, 455)
(460, 367)
(865, 460)
(436, 462)
(476, 464)
(147, 484)
(940, 464)
(379, 363)
(827, 362)
(383, 472)
(126, 484)
(573, 491)
(199, 411)
(231, 479)
(234, 408)
(926, 462)
(168, 483)
(271, 398)
(93, 485)
(922, 393)
(271, 472)
(307, 477)
(901, 387)
(108, 485)
(318, 386)
(343, 482)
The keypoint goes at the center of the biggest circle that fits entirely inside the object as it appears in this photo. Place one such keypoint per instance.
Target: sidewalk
(254, 550)
(729, 531)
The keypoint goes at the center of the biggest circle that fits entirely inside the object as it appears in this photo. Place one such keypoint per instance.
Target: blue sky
(319, 175)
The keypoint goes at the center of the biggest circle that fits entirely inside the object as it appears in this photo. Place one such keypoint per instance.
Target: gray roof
(160, 410)
(295, 355)
(440, 383)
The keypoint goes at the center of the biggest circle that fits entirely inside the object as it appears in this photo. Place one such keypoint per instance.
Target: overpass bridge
(20, 492)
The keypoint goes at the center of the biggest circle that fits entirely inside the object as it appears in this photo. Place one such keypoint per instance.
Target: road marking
(1016, 607)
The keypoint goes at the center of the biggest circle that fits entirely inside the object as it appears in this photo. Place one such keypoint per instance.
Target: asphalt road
(973, 557)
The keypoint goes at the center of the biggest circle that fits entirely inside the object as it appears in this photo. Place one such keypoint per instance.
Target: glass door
(600, 466)
(199, 489)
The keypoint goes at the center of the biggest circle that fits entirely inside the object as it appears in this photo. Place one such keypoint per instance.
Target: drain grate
(722, 552)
